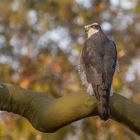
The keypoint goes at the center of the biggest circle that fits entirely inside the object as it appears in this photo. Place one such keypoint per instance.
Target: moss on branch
(49, 114)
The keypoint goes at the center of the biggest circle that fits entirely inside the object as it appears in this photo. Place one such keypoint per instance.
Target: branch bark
(49, 114)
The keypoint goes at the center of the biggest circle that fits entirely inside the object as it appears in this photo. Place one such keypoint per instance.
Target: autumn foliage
(40, 44)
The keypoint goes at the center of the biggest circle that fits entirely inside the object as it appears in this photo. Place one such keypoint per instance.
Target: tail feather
(103, 104)
(103, 111)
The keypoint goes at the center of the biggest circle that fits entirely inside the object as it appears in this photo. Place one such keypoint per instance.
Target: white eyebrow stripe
(86, 26)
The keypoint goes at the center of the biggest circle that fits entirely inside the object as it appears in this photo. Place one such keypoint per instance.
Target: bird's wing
(83, 74)
(110, 62)
(92, 65)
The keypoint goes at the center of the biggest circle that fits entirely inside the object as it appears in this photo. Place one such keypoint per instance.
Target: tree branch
(49, 114)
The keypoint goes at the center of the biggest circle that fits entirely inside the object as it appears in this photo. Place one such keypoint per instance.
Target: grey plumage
(97, 66)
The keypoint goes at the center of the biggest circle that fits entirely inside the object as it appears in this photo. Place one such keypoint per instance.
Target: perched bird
(98, 62)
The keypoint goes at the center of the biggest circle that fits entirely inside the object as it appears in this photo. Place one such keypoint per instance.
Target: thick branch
(49, 114)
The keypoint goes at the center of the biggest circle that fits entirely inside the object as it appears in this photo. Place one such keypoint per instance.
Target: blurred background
(40, 44)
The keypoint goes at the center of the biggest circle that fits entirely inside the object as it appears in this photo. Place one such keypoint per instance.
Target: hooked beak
(86, 29)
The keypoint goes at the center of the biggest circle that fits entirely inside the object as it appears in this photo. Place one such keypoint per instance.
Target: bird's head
(92, 29)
